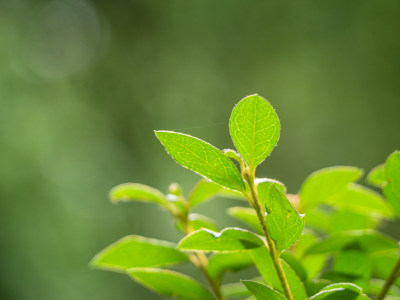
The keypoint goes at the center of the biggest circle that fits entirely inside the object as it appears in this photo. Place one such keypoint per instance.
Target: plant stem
(255, 202)
(390, 280)
(200, 261)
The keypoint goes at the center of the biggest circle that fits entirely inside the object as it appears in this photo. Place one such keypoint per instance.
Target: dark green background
(83, 85)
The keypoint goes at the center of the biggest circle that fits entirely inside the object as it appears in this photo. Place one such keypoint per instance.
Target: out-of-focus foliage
(84, 83)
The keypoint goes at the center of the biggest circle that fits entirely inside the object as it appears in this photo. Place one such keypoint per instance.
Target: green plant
(338, 255)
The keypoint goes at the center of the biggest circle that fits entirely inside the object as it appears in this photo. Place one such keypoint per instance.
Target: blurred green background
(83, 84)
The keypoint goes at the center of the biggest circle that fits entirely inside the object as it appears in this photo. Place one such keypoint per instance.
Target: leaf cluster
(320, 243)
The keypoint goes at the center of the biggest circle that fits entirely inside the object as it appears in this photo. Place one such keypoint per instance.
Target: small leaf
(254, 128)
(136, 251)
(220, 263)
(295, 264)
(263, 261)
(262, 292)
(171, 284)
(377, 176)
(392, 188)
(324, 183)
(136, 192)
(368, 240)
(229, 239)
(361, 200)
(340, 291)
(284, 223)
(206, 190)
(201, 158)
(263, 185)
(198, 221)
(247, 216)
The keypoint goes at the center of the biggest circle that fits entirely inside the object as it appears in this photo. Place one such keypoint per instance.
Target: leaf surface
(171, 284)
(340, 291)
(262, 292)
(392, 188)
(254, 128)
(220, 263)
(136, 192)
(136, 251)
(229, 239)
(201, 158)
(247, 216)
(284, 223)
(198, 221)
(377, 176)
(324, 183)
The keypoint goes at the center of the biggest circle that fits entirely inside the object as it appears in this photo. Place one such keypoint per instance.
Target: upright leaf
(324, 183)
(262, 292)
(171, 284)
(263, 185)
(229, 239)
(392, 188)
(136, 251)
(254, 128)
(136, 192)
(284, 223)
(201, 158)
(377, 176)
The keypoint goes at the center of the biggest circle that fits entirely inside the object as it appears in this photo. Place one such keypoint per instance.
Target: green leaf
(377, 176)
(199, 221)
(136, 192)
(263, 261)
(262, 292)
(201, 158)
(206, 190)
(235, 290)
(383, 264)
(136, 251)
(171, 284)
(254, 128)
(324, 183)
(313, 286)
(352, 262)
(220, 263)
(340, 291)
(368, 240)
(295, 264)
(247, 216)
(229, 239)
(361, 200)
(284, 223)
(343, 220)
(392, 188)
(263, 185)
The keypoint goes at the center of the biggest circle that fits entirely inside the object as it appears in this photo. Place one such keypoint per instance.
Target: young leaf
(229, 239)
(206, 190)
(377, 176)
(283, 222)
(368, 240)
(392, 188)
(136, 192)
(198, 221)
(263, 185)
(136, 251)
(254, 128)
(263, 261)
(171, 284)
(247, 216)
(340, 291)
(201, 158)
(324, 183)
(220, 263)
(262, 292)
(362, 200)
